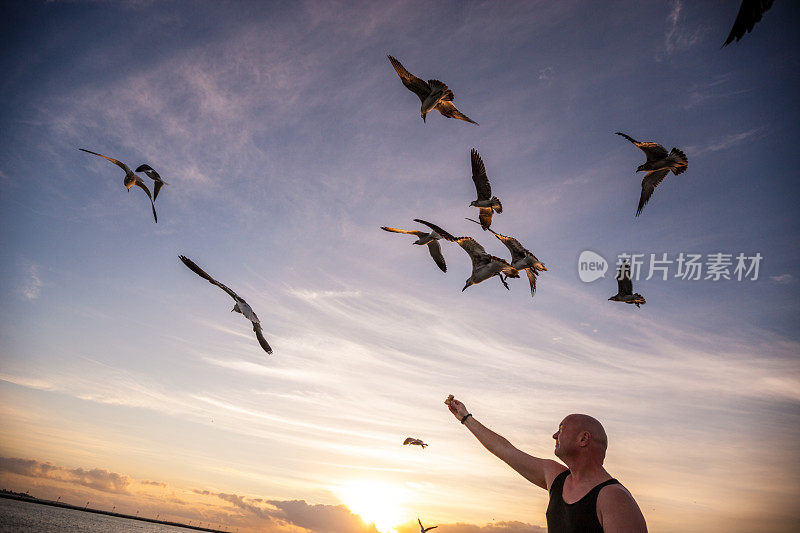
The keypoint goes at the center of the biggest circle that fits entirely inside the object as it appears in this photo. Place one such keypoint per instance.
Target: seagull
(131, 179)
(431, 239)
(625, 287)
(484, 266)
(414, 442)
(521, 258)
(750, 12)
(486, 203)
(424, 529)
(153, 175)
(433, 94)
(658, 165)
(240, 307)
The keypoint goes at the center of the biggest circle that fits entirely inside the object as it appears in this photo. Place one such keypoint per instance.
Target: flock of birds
(435, 95)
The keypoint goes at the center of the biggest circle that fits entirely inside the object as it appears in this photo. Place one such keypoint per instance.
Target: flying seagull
(658, 165)
(750, 12)
(625, 287)
(433, 94)
(424, 529)
(240, 307)
(484, 266)
(130, 180)
(430, 238)
(153, 175)
(414, 442)
(521, 258)
(486, 203)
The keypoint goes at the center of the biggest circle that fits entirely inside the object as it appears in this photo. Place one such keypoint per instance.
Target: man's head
(580, 435)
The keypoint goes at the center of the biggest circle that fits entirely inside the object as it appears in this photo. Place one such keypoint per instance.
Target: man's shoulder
(616, 505)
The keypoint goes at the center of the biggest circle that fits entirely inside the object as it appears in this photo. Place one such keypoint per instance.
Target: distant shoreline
(33, 499)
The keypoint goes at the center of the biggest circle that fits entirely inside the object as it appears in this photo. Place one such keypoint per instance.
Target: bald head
(581, 434)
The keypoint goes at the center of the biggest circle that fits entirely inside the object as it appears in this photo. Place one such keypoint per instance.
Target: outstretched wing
(446, 108)
(436, 253)
(649, 184)
(416, 85)
(482, 185)
(202, 273)
(476, 252)
(120, 164)
(141, 184)
(147, 169)
(444, 234)
(260, 336)
(750, 12)
(485, 216)
(624, 283)
(653, 151)
(532, 279)
(406, 231)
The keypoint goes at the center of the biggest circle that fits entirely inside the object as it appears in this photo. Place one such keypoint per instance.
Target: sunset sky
(287, 140)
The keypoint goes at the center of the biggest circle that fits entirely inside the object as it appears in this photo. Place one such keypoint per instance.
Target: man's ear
(586, 437)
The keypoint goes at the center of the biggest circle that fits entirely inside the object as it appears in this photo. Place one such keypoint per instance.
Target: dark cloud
(497, 527)
(328, 518)
(154, 483)
(97, 478)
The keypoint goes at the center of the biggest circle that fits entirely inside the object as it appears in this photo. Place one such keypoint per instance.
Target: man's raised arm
(540, 472)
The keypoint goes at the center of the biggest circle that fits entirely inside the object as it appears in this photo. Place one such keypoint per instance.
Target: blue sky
(288, 140)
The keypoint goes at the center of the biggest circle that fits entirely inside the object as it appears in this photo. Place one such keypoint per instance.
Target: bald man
(584, 498)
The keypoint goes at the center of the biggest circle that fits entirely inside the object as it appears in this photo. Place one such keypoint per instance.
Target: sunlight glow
(375, 502)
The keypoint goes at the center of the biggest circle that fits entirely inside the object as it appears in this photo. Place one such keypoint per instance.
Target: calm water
(17, 517)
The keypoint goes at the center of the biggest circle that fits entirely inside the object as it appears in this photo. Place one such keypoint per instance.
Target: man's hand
(458, 409)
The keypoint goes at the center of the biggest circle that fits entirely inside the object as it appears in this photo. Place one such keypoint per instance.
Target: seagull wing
(485, 216)
(157, 187)
(147, 169)
(482, 185)
(260, 336)
(406, 231)
(202, 273)
(750, 12)
(446, 108)
(532, 279)
(429, 528)
(475, 251)
(653, 151)
(141, 184)
(120, 164)
(445, 235)
(416, 85)
(624, 283)
(436, 253)
(649, 184)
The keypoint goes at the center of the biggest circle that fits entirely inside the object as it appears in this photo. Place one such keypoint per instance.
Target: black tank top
(578, 517)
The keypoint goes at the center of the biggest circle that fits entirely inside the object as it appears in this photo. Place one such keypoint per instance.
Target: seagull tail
(679, 157)
(496, 205)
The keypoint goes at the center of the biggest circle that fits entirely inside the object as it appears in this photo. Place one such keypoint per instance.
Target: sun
(375, 502)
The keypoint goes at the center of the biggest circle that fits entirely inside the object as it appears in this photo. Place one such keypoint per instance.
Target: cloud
(726, 142)
(677, 38)
(32, 285)
(154, 483)
(97, 478)
(783, 278)
(546, 74)
(328, 518)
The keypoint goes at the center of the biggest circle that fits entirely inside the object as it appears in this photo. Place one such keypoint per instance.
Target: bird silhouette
(240, 306)
(130, 179)
(432, 94)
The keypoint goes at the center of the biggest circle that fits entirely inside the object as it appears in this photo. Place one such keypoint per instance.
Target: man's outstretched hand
(458, 409)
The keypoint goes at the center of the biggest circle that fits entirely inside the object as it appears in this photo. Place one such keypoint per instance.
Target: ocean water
(26, 517)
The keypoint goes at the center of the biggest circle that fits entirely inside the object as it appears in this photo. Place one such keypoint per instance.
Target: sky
(287, 140)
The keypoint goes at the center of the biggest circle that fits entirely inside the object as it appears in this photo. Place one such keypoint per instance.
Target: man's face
(564, 438)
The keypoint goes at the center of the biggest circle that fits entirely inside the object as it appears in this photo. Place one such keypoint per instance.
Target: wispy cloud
(679, 38)
(31, 286)
(783, 278)
(726, 142)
